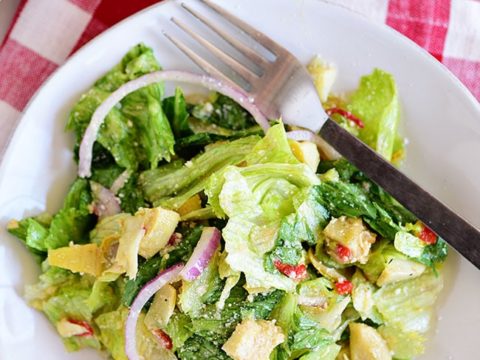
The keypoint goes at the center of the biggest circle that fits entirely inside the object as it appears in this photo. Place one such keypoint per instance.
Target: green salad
(199, 235)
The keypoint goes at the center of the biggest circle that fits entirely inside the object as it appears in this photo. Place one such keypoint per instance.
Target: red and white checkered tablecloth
(34, 47)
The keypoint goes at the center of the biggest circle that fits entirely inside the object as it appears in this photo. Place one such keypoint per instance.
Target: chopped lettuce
(151, 267)
(434, 254)
(112, 334)
(383, 223)
(32, 232)
(327, 352)
(309, 336)
(172, 187)
(175, 109)
(63, 296)
(252, 209)
(255, 198)
(242, 256)
(131, 195)
(341, 198)
(407, 310)
(146, 271)
(376, 103)
(179, 328)
(198, 348)
(306, 339)
(409, 244)
(136, 132)
(275, 203)
(381, 200)
(111, 326)
(196, 293)
(273, 148)
(362, 298)
(223, 112)
(70, 224)
(204, 335)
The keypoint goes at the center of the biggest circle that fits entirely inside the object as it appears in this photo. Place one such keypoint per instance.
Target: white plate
(441, 120)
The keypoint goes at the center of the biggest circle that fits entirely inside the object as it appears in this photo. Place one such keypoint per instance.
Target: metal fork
(284, 88)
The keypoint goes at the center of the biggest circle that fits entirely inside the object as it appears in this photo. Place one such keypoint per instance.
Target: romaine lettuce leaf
(255, 198)
(68, 225)
(243, 256)
(71, 224)
(112, 335)
(137, 131)
(306, 339)
(383, 201)
(253, 213)
(409, 244)
(199, 348)
(32, 232)
(61, 295)
(175, 109)
(407, 310)
(376, 103)
(131, 195)
(224, 112)
(173, 187)
(434, 254)
(112, 328)
(308, 336)
(143, 109)
(341, 198)
(179, 328)
(302, 226)
(327, 352)
(383, 223)
(273, 148)
(195, 294)
(105, 174)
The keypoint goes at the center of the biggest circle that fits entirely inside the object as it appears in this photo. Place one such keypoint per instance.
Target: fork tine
(261, 38)
(240, 46)
(201, 62)
(239, 68)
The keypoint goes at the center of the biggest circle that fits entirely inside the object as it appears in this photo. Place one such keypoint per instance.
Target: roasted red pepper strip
(343, 252)
(344, 287)
(83, 324)
(427, 235)
(163, 338)
(346, 114)
(295, 272)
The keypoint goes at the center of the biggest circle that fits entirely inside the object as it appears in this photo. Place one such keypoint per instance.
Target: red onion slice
(202, 254)
(326, 150)
(106, 203)
(120, 181)
(165, 277)
(86, 146)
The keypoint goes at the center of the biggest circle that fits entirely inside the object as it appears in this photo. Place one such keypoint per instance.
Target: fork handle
(448, 225)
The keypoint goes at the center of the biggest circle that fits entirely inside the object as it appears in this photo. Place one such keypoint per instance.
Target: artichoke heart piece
(348, 240)
(86, 258)
(253, 339)
(159, 225)
(366, 343)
